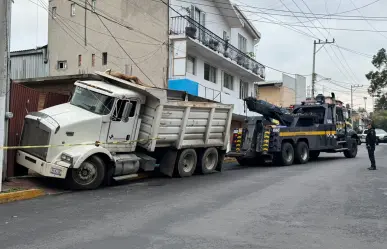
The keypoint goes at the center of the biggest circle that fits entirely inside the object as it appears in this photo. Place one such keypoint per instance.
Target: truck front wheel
(186, 163)
(208, 160)
(352, 149)
(286, 156)
(88, 176)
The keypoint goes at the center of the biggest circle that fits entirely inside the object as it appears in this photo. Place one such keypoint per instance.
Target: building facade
(289, 91)
(212, 54)
(31, 63)
(134, 41)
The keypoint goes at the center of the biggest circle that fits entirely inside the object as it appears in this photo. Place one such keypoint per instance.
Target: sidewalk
(28, 187)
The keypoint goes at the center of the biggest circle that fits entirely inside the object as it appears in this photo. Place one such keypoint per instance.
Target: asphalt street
(329, 203)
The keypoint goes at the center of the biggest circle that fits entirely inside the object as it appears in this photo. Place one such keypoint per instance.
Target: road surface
(331, 203)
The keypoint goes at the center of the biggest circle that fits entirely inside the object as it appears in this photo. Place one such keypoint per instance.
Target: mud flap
(222, 154)
(167, 164)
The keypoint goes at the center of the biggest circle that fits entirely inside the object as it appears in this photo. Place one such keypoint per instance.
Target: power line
(287, 24)
(323, 16)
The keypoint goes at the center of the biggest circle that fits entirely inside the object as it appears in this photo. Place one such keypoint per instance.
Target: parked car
(380, 134)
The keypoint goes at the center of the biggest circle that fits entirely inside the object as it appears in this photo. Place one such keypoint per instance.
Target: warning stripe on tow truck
(306, 133)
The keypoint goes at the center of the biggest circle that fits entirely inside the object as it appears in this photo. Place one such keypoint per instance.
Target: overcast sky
(279, 47)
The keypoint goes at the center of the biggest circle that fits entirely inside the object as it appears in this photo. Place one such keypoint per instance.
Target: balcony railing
(194, 30)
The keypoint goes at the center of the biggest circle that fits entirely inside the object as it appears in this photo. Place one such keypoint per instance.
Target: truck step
(342, 149)
(125, 177)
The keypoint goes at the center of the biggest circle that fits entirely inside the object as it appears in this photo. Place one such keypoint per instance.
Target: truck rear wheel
(208, 160)
(89, 175)
(186, 162)
(302, 152)
(286, 156)
(352, 149)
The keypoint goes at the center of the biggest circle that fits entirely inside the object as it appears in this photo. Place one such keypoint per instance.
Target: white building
(212, 53)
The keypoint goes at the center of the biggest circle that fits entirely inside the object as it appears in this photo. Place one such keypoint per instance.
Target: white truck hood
(67, 114)
(76, 126)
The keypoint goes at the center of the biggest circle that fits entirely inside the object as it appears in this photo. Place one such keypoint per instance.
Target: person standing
(370, 143)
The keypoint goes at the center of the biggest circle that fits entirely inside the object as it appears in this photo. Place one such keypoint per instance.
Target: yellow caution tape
(97, 143)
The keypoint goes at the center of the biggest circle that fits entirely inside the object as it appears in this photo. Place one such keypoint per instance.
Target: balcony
(192, 29)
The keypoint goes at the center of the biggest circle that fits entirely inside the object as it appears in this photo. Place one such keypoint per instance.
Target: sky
(281, 47)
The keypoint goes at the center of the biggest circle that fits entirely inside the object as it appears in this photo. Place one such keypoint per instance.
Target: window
(243, 90)
(62, 65)
(92, 101)
(72, 10)
(190, 65)
(79, 60)
(209, 73)
(228, 81)
(53, 12)
(104, 58)
(242, 43)
(93, 60)
(120, 109)
(225, 36)
(256, 91)
(93, 5)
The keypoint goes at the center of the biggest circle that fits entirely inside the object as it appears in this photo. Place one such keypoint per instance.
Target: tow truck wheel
(302, 152)
(186, 163)
(352, 149)
(208, 160)
(286, 156)
(88, 176)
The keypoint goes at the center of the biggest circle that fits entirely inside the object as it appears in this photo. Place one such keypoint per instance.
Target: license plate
(55, 171)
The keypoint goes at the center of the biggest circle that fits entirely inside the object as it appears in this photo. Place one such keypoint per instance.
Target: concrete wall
(148, 18)
(300, 88)
(277, 95)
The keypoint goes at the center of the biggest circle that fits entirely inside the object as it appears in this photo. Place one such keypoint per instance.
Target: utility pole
(353, 88)
(365, 103)
(5, 24)
(319, 42)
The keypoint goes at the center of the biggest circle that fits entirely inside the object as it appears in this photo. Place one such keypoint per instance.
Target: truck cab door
(122, 129)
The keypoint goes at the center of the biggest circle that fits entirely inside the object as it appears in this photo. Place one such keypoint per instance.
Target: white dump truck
(114, 128)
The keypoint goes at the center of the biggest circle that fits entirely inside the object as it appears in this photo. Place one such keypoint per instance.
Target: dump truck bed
(185, 124)
(171, 118)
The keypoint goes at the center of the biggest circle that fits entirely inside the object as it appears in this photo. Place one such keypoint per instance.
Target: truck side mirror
(127, 109)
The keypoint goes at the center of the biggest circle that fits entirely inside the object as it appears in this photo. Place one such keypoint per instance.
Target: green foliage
(378, 78)
(251, 54)
(380, 119)
(381, 103)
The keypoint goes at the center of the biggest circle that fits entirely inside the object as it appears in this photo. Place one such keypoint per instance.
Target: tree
(378, 78)
(380, 119)
(381, 103)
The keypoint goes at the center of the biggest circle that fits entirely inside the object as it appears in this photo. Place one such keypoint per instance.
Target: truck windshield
(92, 101)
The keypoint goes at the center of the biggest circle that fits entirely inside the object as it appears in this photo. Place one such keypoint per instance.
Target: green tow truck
(312, 127)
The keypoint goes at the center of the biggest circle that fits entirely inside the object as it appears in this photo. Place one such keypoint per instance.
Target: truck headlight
(66, 158)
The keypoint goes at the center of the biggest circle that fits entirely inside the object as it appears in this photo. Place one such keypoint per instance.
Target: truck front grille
(34, 135)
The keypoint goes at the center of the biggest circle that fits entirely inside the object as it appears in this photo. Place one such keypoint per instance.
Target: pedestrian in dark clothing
(370, 143)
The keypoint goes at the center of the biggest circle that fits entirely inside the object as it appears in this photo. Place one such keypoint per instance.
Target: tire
(208, 161)
(313, 155)
(286, 156)
(358, 142)
(89, 175)
(302, 153)
(352, 149)
(186, 163)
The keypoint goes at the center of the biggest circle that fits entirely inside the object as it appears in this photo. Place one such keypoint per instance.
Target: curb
(20, 195)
